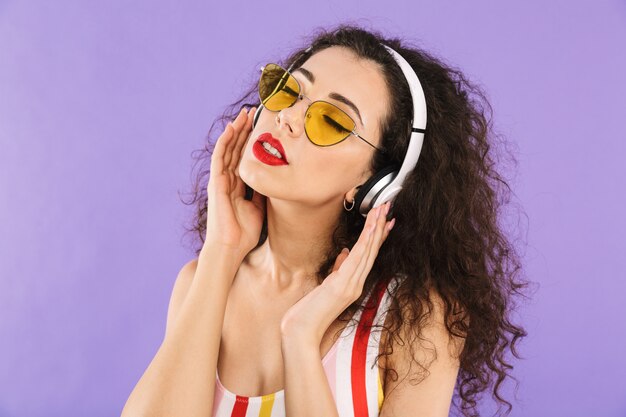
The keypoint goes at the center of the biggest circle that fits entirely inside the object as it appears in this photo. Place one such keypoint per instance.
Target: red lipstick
(265, 156)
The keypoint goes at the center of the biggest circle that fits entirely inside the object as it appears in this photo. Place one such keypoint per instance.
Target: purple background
(101, 104)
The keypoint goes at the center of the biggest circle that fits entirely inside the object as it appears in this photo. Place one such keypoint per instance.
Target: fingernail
(387, 207)
(391, 224)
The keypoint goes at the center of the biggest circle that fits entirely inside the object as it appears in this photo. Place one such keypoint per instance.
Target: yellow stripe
(267, 402)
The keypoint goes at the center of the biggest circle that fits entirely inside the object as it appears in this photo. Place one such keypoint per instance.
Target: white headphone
(384, 185)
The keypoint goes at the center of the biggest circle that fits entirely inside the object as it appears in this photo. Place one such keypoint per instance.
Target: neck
(298, 237)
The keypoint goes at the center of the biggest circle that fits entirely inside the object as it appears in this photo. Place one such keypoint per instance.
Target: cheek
(334, 172)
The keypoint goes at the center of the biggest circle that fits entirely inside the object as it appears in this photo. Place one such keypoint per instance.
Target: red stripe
(241, 407)
(359, 350)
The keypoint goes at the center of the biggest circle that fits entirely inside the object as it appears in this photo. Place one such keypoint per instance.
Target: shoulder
(425, 334)
(183, 281)
(185, 277)
(424, 351)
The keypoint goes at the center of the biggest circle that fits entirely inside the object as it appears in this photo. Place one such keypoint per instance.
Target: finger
(242, 138)
(244, 143)
(236, 125)
(359, 250)
(376, 241)
(240, 187)
(241, 142)
(381, 226)
(377, 234)
(217, 158)
(388, 227)
(386, 231)
(363, 268)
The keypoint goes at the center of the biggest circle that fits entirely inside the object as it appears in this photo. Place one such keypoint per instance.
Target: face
(321, 175)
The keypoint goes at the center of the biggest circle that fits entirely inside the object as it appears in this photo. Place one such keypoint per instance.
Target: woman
(274, 318)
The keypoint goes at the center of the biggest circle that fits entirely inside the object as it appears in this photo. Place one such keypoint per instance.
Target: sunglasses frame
(298, 96)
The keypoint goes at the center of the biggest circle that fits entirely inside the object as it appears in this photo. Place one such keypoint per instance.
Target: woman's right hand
(232, 221)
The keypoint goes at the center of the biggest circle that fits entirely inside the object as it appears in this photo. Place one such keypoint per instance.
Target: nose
(292, 118)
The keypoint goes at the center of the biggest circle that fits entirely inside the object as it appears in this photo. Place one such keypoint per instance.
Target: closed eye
(289, 91)
(333, 123)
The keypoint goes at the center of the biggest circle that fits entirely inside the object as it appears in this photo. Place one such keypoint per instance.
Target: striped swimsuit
(349, 366)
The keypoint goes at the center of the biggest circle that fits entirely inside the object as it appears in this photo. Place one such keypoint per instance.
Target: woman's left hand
(307, 321)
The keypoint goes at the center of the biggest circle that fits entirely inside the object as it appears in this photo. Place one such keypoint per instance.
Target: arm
(304, 374)
(304, 324)
(180, 380)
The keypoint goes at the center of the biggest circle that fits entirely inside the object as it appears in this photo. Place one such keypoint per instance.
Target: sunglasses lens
(277, 88)
(326, 124)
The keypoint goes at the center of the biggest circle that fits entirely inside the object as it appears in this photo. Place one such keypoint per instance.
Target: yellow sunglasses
(325, 124)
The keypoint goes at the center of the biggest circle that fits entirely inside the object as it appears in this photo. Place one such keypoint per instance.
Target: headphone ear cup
(256, 115)
(366, 196)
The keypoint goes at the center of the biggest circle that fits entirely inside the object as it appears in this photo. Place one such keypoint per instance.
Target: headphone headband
(386, 184)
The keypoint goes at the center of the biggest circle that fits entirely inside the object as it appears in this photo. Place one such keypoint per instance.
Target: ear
(352, 193)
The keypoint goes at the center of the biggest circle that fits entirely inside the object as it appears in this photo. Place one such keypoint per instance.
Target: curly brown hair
(448, 237)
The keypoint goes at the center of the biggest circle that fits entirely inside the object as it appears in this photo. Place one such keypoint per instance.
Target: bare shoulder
(179, 291)
(432, 333)
(436, 352)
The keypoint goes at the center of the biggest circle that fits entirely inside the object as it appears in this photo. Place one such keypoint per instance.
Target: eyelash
(333, 123)
(329, 120)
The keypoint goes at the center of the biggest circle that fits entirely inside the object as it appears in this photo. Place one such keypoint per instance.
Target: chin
(254, 178)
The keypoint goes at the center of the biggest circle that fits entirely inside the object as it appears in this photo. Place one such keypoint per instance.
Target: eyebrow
(333, 95)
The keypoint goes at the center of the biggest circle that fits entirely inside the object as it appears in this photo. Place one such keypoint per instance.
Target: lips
(267, 137)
